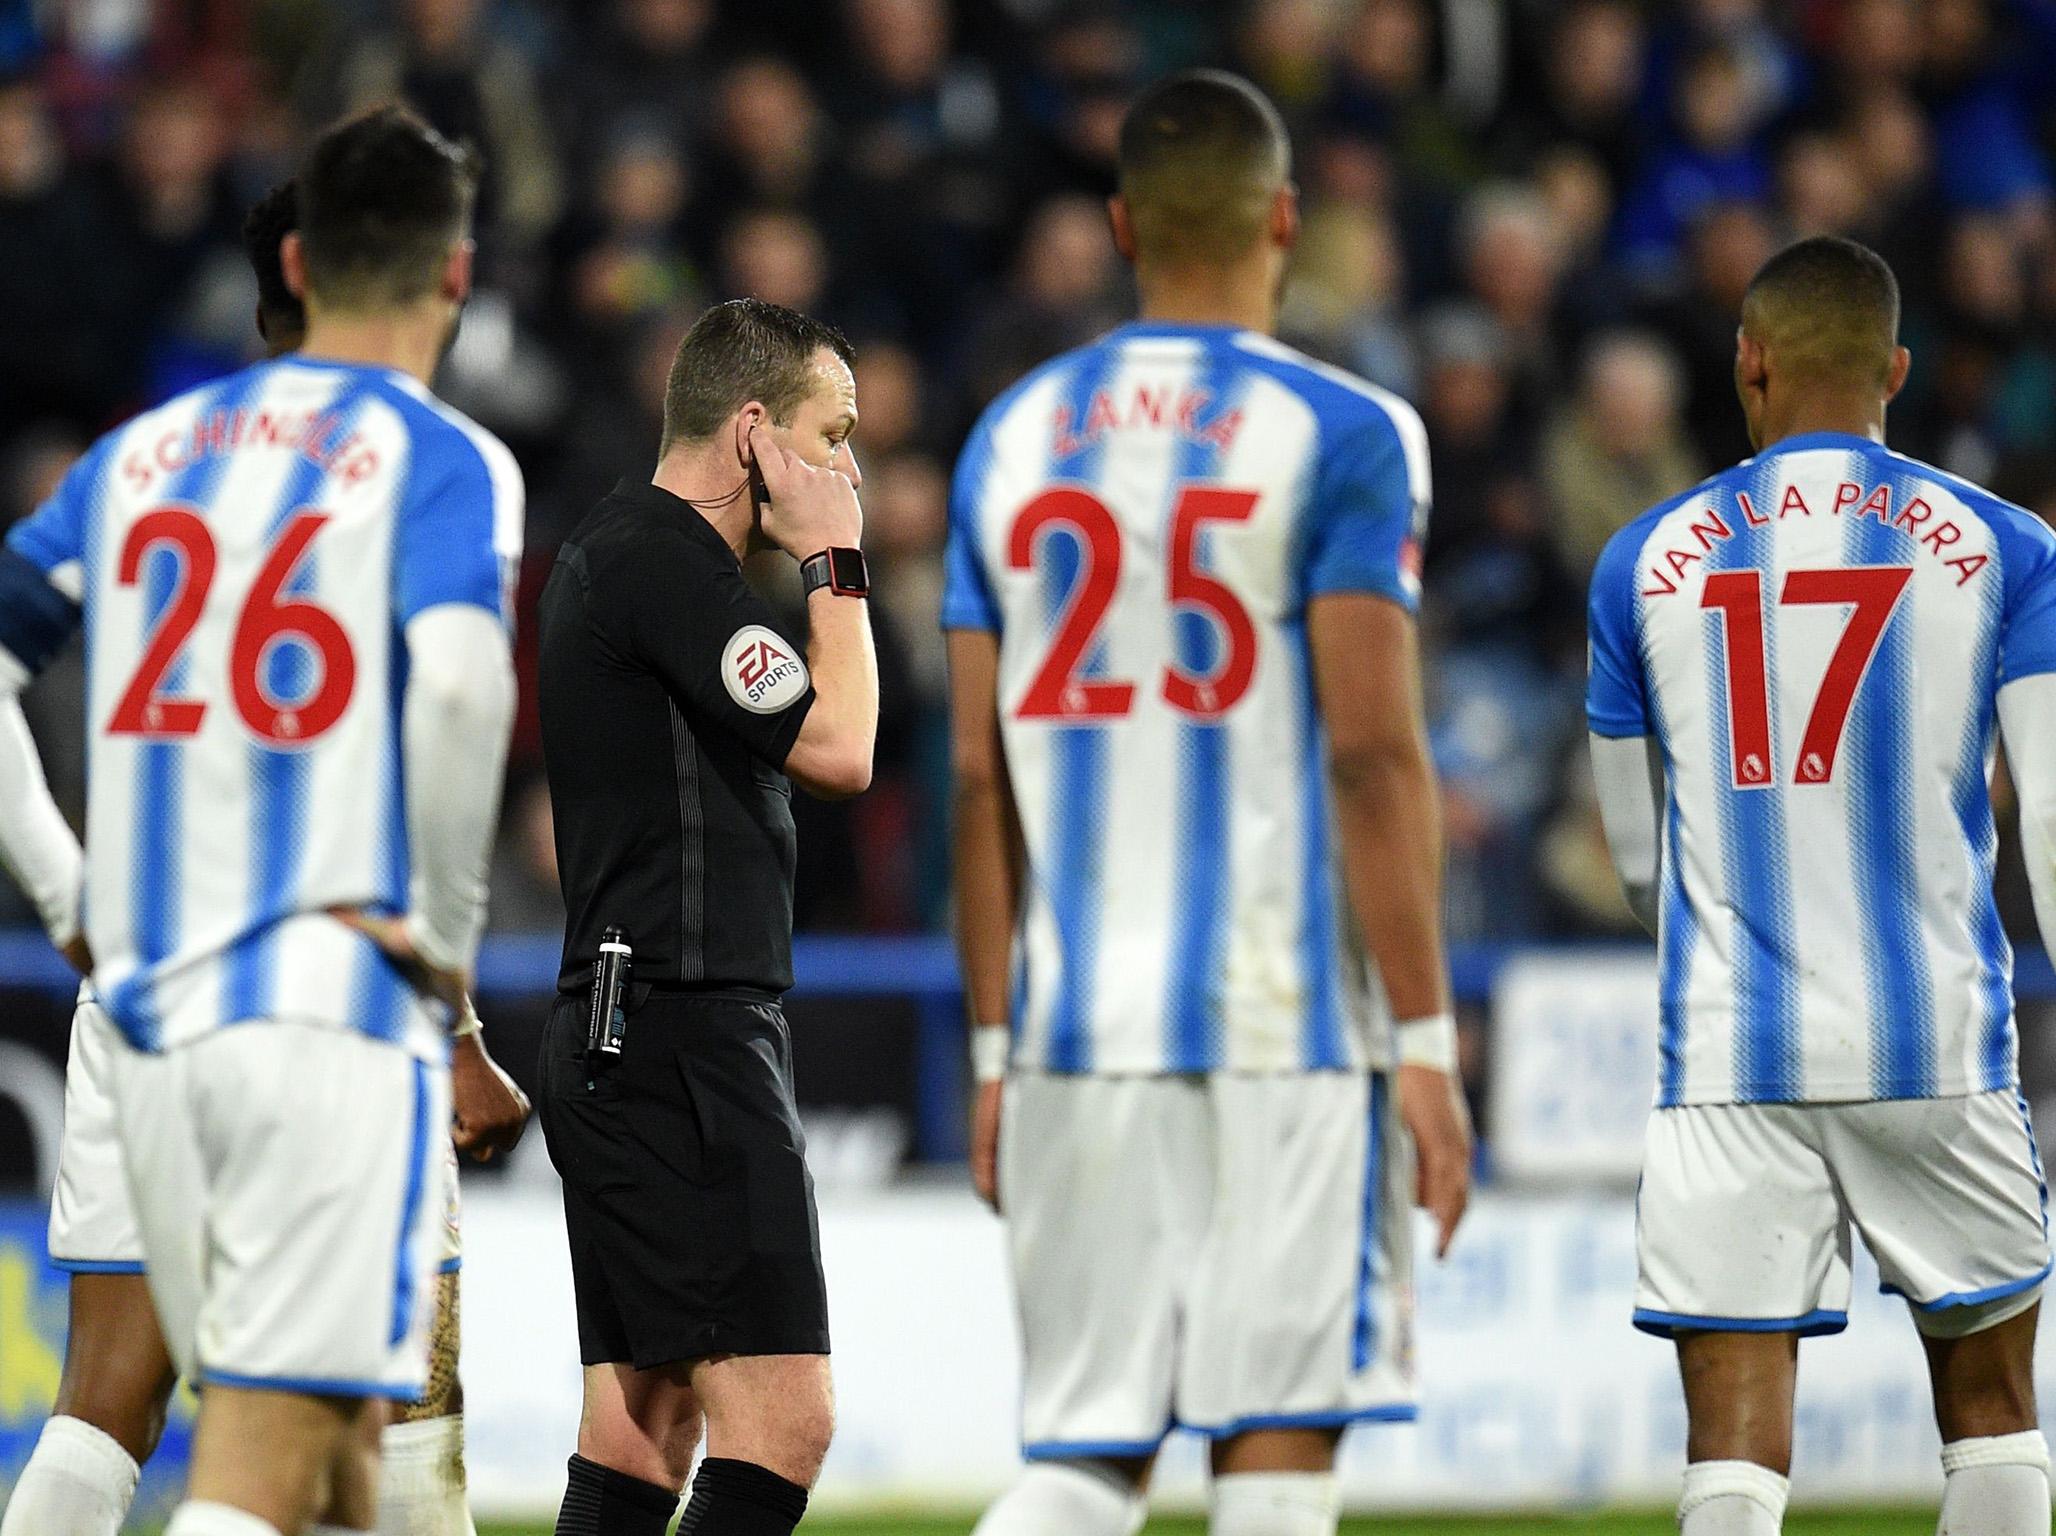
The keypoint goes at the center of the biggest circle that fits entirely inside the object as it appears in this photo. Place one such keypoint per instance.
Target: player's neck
(412, 343)
(718, 489)
(1242, 296)
(1815, 409)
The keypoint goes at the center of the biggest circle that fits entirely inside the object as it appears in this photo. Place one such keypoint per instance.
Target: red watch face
(847, 571)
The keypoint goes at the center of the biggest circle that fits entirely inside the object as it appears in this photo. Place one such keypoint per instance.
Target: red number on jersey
(142, 711)
(1210, 697)
(265, 621)
(1871, 592)
(1056, 691)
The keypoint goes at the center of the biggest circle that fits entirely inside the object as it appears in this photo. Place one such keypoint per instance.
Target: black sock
(598, 1501)
(740, 1498)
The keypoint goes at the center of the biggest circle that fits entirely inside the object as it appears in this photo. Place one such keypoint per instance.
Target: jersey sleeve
(1370, 511)
(42, 569)
(459, 538)
(712, 639)
(967, 597)
(1616, 687)
(2028, 646)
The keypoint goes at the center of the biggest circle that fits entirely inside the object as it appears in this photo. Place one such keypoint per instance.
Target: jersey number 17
(1872, 593)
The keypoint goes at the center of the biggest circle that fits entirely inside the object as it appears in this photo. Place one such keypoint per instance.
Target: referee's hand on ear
(812, 508)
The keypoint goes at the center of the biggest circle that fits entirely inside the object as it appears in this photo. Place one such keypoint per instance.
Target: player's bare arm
(1388, 810)
(812, 509)
(988, 859)
(1627, 772)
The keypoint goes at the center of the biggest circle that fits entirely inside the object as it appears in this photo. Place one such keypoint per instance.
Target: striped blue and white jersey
(1817, 639)
(244, 560)
(1142, 523)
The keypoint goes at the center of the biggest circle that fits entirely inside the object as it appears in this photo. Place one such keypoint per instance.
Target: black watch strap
(840, 569)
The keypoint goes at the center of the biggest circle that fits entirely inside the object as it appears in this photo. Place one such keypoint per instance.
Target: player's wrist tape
(1427, 1042)
(991, 1045)
(468, 1023)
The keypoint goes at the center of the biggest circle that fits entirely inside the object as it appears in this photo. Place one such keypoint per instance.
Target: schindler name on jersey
(761, 671)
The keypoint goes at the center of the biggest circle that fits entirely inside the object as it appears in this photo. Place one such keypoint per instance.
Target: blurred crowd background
(1533, 219)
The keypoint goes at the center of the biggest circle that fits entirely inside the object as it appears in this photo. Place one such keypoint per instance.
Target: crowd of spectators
(1534, 219)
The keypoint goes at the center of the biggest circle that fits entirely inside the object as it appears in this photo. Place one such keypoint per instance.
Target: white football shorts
(1745, 1211)
(288, 1185)
(1220, 1253)
(92, 1219)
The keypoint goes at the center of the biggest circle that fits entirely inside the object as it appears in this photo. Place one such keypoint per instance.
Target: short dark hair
(280, 313)
(1202, 154)
(1828, 307)
(743, 350)
(382, 199)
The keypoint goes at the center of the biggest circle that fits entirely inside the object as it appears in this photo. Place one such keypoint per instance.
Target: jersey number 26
(269, 618)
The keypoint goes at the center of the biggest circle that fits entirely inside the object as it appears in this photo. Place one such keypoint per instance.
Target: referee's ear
(752, 416)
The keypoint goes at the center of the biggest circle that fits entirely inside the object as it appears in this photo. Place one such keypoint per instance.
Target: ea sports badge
(761, 671)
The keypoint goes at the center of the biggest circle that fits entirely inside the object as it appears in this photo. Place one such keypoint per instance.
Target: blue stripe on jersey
(1883, 840)
(1971, 796)
(1755, 865)
(1364, 1334)
(1078, 780)
(1322, 1043)
(1194, 1024)
(156, 842)
(381, 999)
(278, 804)
(410, 1211)
(1677, 924)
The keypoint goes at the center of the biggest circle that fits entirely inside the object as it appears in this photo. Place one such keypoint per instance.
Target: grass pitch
(1653, 1523)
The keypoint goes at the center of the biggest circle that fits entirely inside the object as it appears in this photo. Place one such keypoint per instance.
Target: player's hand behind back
(1432, 1106)
(392, 935)
(490, 1109)
(811, 509)
(78, 954)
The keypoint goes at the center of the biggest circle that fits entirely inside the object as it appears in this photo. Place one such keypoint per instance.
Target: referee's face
(822, 423)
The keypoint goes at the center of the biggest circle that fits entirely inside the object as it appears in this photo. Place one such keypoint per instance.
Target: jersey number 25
(1057, 692)
(268, 619)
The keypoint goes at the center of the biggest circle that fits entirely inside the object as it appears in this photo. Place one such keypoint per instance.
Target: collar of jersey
(1165, 328)
(1804, 440)
(337, 365)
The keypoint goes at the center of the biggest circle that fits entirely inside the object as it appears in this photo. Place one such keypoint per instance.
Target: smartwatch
(840, 569)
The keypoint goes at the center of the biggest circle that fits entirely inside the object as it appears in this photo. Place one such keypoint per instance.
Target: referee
(674, 715)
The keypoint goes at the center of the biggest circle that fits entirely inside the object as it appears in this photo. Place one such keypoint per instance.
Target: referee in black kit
(672, 714)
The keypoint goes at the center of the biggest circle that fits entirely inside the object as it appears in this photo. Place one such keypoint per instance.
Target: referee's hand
(811, 508)
(1431, 1104)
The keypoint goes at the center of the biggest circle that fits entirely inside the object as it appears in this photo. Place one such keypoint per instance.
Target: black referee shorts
(686, 1193)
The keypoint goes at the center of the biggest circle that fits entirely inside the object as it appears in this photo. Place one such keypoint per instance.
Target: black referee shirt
(669, 701)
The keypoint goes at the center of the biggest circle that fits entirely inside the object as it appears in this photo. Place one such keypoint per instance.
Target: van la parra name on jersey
(1916, 519)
